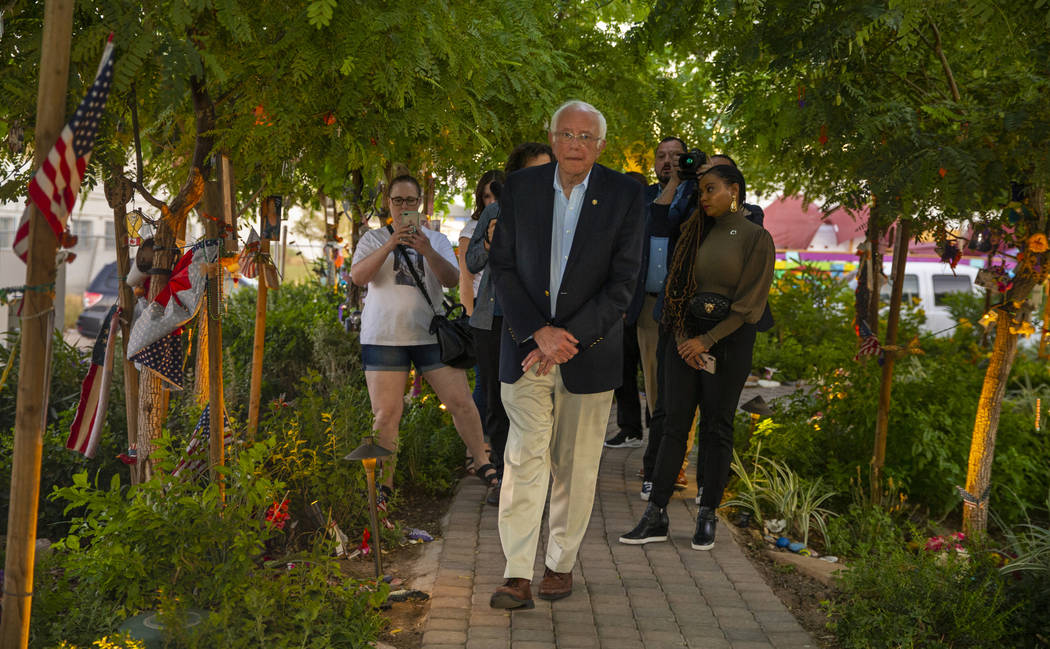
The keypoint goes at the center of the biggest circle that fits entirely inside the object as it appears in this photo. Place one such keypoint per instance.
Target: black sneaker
(624, 440)
(704, 539)
(652, 527)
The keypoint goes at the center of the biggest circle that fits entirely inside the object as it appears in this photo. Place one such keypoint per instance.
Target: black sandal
(488, 474)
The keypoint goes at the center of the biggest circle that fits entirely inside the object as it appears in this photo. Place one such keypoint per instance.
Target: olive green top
(735, 260)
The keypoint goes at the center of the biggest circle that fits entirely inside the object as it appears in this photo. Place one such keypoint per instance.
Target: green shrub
(900, 598)
(59, 464)
(172, 544)
(828, 430)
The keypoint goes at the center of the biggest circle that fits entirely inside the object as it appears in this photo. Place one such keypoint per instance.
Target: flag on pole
(869, 342)
(86, 429)
(195, 459)
(54, 187)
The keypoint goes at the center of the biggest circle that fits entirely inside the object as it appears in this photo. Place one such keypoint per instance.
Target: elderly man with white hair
(564, 259)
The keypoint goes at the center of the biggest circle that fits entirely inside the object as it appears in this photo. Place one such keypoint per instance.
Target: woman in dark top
(716, 291)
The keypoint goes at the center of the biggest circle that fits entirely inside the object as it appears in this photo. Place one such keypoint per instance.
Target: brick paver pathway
(661, 595)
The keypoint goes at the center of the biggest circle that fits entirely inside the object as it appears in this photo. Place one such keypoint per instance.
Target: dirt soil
(405, 620)
(801, 594)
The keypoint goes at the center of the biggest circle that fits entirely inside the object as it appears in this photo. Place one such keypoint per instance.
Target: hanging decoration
(195, 458)
(869, 343)
(801, 96)
(155, 341)
(247, 261)
(135, 219)
(823, 139)
(86, 429)
(947, 249)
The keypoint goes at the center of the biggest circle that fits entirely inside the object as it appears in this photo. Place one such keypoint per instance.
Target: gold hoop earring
(733, 206)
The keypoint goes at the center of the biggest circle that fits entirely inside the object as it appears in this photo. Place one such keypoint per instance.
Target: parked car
(929, 282)
(99, 296)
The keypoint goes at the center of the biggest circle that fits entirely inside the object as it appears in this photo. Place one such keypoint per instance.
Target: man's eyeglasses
(409, 201)
(568, 137)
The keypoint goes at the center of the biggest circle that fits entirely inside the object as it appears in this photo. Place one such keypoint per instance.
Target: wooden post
(882, 415)
(34, 370)
(216, 204)
(118, 192)
(267, 208)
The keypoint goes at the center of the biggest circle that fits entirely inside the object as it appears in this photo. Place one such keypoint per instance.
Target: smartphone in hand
(410, 217)
(708, 361)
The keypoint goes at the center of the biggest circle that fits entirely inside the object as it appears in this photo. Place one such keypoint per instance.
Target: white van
(930, 282)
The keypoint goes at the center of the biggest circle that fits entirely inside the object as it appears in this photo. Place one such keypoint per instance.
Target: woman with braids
(716, 291)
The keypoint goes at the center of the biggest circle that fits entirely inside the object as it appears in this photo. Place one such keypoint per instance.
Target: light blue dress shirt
(563, 229)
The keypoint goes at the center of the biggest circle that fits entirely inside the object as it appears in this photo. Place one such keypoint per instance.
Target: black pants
(628, 405)
(717, 395)
(656, 424)
(496, 423)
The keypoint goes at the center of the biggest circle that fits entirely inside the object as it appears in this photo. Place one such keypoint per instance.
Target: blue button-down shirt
(563, 229)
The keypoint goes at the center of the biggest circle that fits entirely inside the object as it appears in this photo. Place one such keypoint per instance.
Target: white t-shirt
(395, 312)
(467, 233)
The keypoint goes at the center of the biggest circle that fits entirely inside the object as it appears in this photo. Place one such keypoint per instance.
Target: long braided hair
(681, 280)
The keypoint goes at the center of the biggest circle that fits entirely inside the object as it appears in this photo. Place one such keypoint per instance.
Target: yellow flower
(1037, 243)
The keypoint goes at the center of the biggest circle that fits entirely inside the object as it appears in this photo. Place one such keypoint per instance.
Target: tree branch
(150, 198)
(944, 59)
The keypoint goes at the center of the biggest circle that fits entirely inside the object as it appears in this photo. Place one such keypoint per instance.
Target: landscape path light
(367, 453)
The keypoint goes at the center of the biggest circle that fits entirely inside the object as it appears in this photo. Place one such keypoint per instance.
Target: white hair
(576, 104)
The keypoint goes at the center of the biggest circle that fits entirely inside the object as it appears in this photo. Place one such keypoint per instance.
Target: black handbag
(454, 334)
(705, 311)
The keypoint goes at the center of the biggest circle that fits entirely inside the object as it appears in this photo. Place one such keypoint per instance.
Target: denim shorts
(394, 358)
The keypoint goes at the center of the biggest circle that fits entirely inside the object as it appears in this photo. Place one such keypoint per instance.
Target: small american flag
(869, 343)
(55, 185)
(195, 459)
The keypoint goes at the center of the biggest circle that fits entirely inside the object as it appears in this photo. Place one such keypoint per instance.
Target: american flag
(55, 185)
(86, 429)
(869, 343)
(195, 458)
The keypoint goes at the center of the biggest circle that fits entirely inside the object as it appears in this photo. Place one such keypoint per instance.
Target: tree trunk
(357, 187)
(152, 401)
(986, 422)
(37, 323)
(882, 415)
(118, 192)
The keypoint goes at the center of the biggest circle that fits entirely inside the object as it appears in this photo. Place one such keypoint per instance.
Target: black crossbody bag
(454, 334)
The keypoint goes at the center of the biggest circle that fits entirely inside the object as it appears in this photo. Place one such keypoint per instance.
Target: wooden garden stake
(34, 374)
(269, 205)
(882, 416)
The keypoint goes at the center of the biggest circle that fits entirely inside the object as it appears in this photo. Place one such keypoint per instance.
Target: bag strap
(415, 276)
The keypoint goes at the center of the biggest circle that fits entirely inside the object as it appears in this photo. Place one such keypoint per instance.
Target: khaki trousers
(552, 433)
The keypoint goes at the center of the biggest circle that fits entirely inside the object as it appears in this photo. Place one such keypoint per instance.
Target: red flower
(277, 514)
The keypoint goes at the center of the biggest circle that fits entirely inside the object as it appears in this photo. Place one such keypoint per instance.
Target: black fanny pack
(705, 311)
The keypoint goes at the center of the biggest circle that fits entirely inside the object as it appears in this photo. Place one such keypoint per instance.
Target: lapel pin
(594, 201)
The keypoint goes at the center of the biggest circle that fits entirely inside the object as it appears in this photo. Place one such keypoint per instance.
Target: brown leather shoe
(514, 593)
(555, 585)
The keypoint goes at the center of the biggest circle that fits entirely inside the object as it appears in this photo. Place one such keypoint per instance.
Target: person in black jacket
(565, 259)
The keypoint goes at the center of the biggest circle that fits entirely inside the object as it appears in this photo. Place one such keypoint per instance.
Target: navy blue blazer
(599, 278)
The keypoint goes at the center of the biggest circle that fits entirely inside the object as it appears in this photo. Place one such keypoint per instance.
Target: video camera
(689, 163)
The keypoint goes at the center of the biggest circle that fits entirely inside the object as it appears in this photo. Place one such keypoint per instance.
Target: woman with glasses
(716, 292)
(395, 323)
